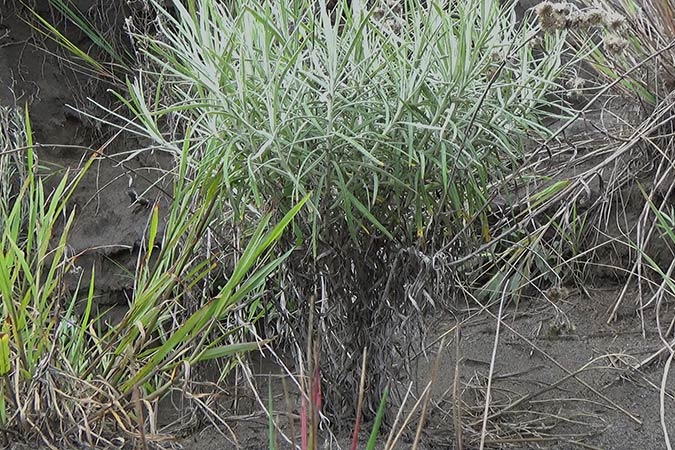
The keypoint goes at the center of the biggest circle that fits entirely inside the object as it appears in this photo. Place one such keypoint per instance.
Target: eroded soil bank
(109, 224)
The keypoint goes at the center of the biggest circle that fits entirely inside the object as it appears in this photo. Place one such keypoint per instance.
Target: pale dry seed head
(575, 86)
(563, 9)
(576, 83)
(614, 21)
(614, 43)
(593, 17)
(575, 21)
(552, 16)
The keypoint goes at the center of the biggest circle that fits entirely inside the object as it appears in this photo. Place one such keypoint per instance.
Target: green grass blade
(372, 441)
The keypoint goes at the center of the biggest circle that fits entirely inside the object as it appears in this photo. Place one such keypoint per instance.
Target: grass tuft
(402, 125)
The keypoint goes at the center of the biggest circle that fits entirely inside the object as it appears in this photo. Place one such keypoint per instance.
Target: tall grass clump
(401, 123)
(68, 375)
(33, 266)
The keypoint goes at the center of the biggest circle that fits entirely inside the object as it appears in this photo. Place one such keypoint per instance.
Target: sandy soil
(608, 404)
(605, 406)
